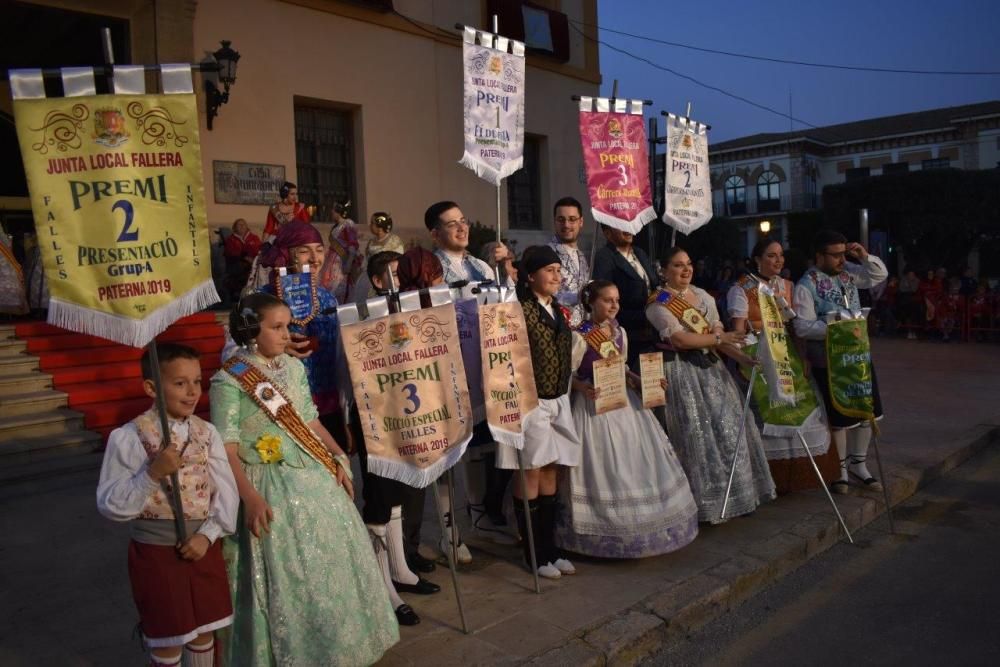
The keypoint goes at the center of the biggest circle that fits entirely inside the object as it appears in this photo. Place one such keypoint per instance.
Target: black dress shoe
(422, 587)
(406, 616)
(418, 563)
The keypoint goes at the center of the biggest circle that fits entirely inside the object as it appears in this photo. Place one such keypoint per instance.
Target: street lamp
(765, 226)
(226, 59)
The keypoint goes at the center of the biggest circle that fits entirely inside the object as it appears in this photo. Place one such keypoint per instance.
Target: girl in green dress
(305, 584)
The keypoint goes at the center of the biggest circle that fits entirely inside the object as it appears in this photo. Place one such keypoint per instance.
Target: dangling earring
(252, 345)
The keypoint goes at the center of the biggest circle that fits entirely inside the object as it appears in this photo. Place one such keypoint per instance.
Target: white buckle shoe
(549, 571)
(462, 552)
(564, 566)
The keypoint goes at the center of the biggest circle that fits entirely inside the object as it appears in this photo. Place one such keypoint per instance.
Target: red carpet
(102, 378)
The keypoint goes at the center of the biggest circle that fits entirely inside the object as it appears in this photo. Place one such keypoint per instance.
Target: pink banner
(617, 163)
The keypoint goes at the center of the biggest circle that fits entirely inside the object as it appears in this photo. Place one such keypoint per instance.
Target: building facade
(765, 177)
(353, 100)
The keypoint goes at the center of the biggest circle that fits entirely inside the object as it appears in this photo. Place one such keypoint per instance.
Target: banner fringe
(403, 471)
(515, 440)
(488, 173)
(135, 333)
(633, 226)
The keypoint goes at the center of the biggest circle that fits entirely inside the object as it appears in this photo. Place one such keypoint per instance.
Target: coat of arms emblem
(399, 334)
(109, 127)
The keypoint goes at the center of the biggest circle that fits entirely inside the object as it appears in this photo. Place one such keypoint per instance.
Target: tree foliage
(935, 217)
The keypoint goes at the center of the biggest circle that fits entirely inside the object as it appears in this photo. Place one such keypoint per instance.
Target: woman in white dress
(628, 497)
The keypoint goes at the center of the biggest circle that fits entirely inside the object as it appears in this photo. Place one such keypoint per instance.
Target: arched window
(736, 195)
(768, 192)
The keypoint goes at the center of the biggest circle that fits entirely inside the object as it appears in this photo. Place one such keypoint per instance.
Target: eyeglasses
(453, 225)
(572, 218)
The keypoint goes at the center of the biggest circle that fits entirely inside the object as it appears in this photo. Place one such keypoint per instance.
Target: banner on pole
(494, 105)
(508, 377)
(616, 160)
(849, 366)
(775, 355)
(688, 187)
(116, 192)
(412, 395)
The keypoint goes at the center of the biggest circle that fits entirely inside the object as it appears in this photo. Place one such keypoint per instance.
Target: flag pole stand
(450, 553)
(885, 482)
(743, 430)
(824, 485)
(527, 522)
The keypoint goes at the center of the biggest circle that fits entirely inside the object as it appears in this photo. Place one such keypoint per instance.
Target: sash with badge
(685, 313)
(608, 371)
(271, 398)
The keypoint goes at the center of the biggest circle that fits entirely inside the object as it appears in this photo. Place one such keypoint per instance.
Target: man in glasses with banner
(567, 222)
(830, 318)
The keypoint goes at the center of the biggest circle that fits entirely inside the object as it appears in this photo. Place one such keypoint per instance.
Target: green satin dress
(309, 592)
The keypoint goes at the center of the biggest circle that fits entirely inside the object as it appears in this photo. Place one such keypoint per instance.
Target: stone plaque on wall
(246, 182)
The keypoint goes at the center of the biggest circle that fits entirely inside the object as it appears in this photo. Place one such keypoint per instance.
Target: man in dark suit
(631, 271)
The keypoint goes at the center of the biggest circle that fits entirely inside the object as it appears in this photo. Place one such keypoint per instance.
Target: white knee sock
(159, 661)
(839, 436)
(378, 535)
(857, 450)
(200, 655)
(398, 568)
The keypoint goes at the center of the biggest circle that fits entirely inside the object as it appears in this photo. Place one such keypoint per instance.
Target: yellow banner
(411, 392)
(775, 361)
(116, 192)
(508, 377)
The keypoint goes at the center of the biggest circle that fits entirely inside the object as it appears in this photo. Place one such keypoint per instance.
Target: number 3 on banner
(125, 234)
(411, 395)
(623, 181)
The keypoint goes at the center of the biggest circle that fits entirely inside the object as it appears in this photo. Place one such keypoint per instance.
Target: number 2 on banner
(411, 395)
(125, 234)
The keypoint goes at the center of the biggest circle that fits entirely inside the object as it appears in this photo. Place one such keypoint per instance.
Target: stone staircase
(39, 435)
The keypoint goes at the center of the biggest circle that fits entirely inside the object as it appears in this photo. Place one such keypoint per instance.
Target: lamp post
(765, 226)
(226, 59)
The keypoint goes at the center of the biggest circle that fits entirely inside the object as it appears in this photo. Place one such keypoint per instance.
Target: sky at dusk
(920, 34)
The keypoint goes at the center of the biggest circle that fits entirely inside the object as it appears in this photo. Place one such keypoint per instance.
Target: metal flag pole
(527, 521)
(653, 132)
(392, 298)
(174, 492)
(824, 485)
(497, 269)
(885, 482)
(450, 555)
(743, 429)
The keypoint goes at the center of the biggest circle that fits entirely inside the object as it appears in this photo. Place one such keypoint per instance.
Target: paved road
(929, 595)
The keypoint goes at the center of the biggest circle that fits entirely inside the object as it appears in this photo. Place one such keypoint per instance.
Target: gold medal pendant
(608, 349)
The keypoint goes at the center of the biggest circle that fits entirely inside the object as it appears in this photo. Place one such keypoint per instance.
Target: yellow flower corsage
(269, 449)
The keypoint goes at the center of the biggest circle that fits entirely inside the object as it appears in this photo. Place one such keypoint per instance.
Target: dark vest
(551, 348)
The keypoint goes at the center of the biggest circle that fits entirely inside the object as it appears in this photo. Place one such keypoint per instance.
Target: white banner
(494, 105)
(688, 190)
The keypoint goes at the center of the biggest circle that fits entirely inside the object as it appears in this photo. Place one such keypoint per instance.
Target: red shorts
(178, 599)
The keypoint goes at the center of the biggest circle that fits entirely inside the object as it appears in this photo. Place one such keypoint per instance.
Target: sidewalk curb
(668, 617)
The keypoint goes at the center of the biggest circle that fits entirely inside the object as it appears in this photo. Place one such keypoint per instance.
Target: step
(48, 468)
(19, 365)
(116, 413)
(52, 422)
(17, 383)
(75, 341)
(62, 378)
(47, 447)
(12, 348)
(50, 361)
(7, 331)
(29, 402)
(31, 329)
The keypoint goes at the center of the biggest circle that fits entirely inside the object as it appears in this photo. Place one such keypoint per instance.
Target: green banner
(783, 414)
(849, 365)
